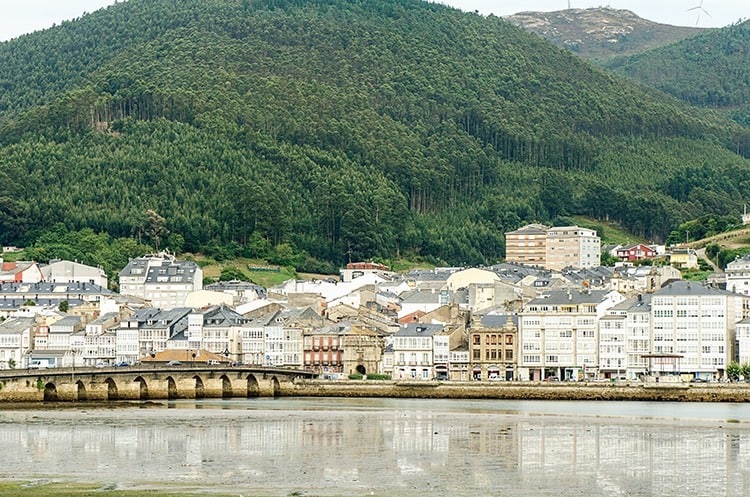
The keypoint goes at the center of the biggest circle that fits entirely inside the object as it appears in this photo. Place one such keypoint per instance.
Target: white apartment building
(15, 342)
(97, 343)
(413, 351)
(698, 325)
(572, 247)
(612, 346)
(161, 280)
(559, 334)
(276, 339)
(217, 329)
(637, 334)
(625, 339)
(737, 275)
(743, 341)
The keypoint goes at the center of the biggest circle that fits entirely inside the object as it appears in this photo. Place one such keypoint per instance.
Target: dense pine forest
(315, 131)
(710, 70)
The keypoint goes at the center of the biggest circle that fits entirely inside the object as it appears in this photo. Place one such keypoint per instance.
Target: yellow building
(683, 258)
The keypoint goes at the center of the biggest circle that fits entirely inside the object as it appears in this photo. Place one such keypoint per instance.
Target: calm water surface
(387, 447)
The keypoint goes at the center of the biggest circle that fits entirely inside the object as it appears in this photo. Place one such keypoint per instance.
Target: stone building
(492, 347)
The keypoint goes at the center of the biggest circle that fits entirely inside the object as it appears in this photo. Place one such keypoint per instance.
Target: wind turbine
(700, 9)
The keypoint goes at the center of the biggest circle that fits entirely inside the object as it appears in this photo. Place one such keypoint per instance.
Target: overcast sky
(18, 17)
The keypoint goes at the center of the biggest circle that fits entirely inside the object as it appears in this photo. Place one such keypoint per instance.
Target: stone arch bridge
(144, 383)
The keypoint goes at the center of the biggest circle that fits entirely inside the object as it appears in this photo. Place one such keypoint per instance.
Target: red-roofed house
(20, 272)
(635, 252)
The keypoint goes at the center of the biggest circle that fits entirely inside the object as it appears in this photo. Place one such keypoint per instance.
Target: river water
(386, 447)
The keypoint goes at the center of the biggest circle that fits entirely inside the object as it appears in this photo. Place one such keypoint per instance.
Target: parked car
(122, 364)
(174, 363)
(101, 364)
(38, 365)
(212, 362)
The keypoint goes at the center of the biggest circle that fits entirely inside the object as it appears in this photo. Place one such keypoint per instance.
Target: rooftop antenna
(700, 9)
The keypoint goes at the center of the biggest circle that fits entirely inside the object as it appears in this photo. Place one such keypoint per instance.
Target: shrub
(358, 376)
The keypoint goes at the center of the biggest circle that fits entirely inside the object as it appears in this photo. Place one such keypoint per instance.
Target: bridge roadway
(144, 382)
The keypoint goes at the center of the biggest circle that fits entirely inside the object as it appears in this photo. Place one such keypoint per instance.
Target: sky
(20, 17)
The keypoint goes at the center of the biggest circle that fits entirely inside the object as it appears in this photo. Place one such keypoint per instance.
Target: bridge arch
(81, 393)
(200, 388)
(275, 386)
(253, 389)
(226, 387)
(50, 393)
(112, 393)
(171, 388)
(143, 388)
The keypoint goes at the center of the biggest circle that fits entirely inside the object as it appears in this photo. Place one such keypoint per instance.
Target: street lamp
(73, 352)
(226, 354)
(153, 355)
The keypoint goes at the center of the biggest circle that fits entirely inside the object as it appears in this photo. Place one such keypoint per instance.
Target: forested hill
(711, 70)
(323, 130)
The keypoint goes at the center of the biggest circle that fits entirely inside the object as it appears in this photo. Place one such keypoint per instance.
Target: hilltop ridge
(600, 33)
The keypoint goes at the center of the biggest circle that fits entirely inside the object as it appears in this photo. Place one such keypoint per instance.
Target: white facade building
(698, 324)
(743, 341)
(413, 351)
(559, 334)
(161, 280)
(737, 274)
(15, 342)
(69, 272)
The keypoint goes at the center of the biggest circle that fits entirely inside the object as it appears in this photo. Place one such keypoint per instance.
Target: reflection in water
(386, 447)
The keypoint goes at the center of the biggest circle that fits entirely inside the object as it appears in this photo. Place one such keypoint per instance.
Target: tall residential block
(557, 248)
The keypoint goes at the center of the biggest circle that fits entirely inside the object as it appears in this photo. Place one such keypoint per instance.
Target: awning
(441, 367)
(477, 369)
(493, 368)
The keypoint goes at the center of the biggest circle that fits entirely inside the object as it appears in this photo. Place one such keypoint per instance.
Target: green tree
(734, 370)
(156, 227)
(232, 273)
(745, 371)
